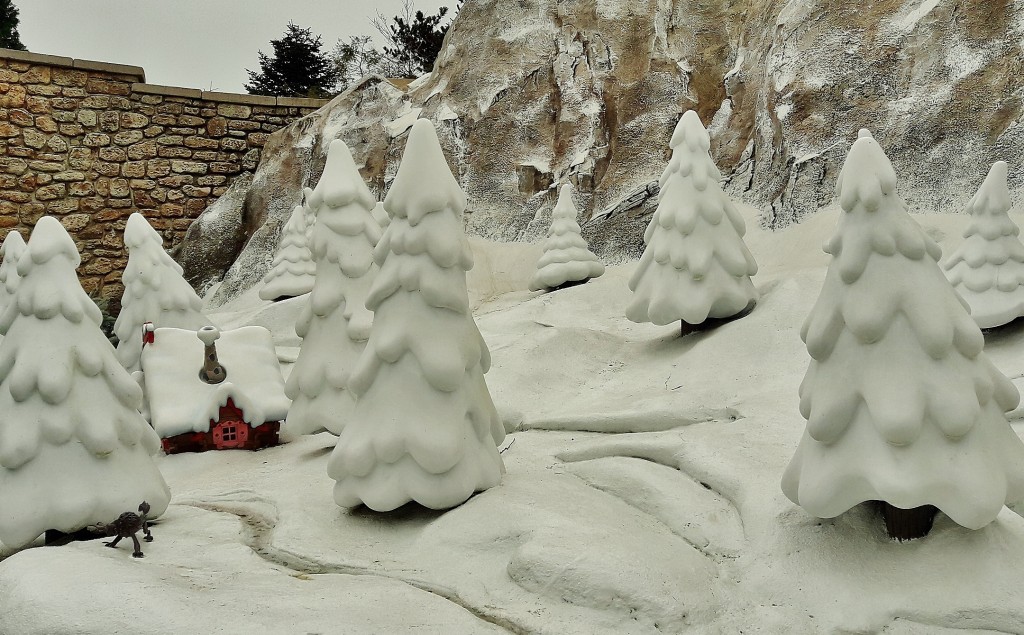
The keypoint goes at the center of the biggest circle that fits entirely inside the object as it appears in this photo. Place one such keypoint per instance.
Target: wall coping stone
(107, 67)
(36, 58)
(234, 98)
(167, 91)
(301, 102)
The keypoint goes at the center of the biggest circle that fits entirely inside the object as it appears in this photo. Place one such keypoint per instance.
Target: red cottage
(213, 391)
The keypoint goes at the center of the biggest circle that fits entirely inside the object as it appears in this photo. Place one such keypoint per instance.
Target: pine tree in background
(696, 265)
(902, 404)
(424, 427)
(10, 252)
(293, 271)
(414, 40)
(154, 291)
(987, 269)
(9, 37)
(567, 258)
(298, 68)
(335, 323)
(74, 449)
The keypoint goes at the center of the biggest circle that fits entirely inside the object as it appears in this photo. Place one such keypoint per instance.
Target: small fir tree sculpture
(10, 252)
(424, 427)
(381, 216)
(902, 405)
(335, 323)
(567, 258)
(293, 271)
(987, 270)
(154, 291)
(74, 450)
(695, 265)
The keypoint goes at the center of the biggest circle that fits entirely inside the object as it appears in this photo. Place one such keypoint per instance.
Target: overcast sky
(204, 44)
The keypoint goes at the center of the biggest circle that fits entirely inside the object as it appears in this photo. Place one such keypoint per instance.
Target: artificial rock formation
(542, 91)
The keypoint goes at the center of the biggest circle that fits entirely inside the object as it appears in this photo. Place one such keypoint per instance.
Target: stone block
(134, 120)
(68, 176)
(257, 139)
(71, 129)
(119, 188)
(234, 145)
(62, 206)
(34, 138)
(189, 167)
(244, 125)
(191, 120)
(69, 77)
(97, 102)
(43, 90)
(143, 150)
(112, 153)
(80, 158)
(64, 103)
(87, 118)
(37, 75)
(153, 131)
(84, 188)
(37, 105)
(201, 142)
(38, 166)
(156, 168)
(128, 137)
(20, 117)
(108, 87)
(97, 140)
(15, 196)
(212, 180)
(46, 124)
(108, 169)
(220, 167)
(13, 96)
(170, 140)
(57, 144)
(134, 169)
(195, 192)
(174, 153)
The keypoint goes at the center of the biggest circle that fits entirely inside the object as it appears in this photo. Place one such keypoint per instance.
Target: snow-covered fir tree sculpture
(424, 427)
(567, 259)
(10, 252)
(154, 291)
(902, 405)
(293, 271)
(335, 323)
(696, 265)
(74, 449)
(988, 267)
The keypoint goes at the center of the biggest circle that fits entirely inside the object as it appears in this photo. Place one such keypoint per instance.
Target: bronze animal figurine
(127, 525)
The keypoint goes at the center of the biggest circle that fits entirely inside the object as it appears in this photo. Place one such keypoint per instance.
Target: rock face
(532, 94)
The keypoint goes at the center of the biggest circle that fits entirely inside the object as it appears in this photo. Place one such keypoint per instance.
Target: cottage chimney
(212, 372)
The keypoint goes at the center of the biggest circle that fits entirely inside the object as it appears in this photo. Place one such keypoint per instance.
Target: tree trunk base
(908, 524)
(685, 328)
(54, 538)
(571, 283)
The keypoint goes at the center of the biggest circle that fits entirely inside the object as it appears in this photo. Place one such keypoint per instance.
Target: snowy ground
(642, 496)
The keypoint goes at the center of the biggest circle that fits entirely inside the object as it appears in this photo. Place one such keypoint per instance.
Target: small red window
(230, 434)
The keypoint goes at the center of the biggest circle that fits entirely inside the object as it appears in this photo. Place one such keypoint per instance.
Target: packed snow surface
(641, 496)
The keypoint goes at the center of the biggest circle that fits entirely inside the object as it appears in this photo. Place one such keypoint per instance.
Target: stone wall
(91, 142)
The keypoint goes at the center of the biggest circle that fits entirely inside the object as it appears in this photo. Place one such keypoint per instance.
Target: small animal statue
(127, 525)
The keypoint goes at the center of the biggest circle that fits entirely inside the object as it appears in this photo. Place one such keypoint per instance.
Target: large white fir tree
(74, 449)
(902, 404)
(335, 323)
(10, 252)
(424, 427)
(154, 291)
(696, 265)
(987, 269)
(293, 271)
(567, 257)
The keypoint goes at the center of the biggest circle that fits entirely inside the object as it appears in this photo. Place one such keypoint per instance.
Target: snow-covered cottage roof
(180, 402)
